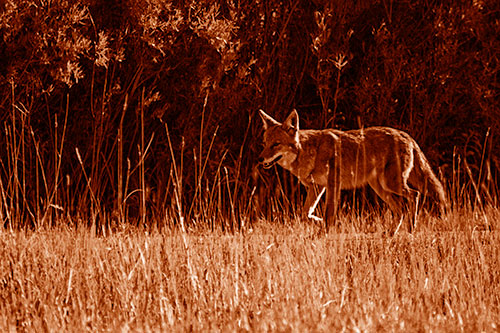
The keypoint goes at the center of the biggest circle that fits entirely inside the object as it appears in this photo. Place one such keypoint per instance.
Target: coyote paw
(314, 217)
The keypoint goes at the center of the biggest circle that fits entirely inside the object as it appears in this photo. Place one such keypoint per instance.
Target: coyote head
(281, 140)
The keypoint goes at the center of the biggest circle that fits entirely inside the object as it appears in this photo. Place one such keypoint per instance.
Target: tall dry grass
(212, 265)
(269, 277)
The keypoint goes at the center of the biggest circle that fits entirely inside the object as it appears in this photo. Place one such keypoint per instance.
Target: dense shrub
(76, 76)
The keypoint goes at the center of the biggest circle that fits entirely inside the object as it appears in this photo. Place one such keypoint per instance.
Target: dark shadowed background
(91, 92)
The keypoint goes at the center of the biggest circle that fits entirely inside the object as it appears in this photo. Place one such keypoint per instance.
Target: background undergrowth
(144, 111)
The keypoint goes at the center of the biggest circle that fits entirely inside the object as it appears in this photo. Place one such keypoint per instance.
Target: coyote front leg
(312, 201)
(333, 192)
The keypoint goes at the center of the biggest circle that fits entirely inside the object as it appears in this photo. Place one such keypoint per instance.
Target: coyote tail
(431, 185)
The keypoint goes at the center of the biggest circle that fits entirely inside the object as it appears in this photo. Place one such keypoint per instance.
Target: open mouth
(267, 165)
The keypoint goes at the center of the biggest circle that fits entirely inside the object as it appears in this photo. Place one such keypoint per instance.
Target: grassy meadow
(269, 276)
(129, 197)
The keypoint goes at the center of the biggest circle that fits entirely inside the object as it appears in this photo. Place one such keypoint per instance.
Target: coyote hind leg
(391, 198)
(399, 197)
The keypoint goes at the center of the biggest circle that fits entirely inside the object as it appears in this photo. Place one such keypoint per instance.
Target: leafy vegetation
(88, 89)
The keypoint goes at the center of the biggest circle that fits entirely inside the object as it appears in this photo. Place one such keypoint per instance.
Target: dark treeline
(88, 89)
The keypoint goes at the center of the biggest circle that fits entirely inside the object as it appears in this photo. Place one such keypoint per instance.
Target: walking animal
(387, 159)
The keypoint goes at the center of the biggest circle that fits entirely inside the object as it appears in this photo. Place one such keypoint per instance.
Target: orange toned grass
(269, 277)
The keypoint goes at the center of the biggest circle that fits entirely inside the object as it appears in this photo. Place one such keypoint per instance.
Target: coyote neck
(306, 166)
(310, 164)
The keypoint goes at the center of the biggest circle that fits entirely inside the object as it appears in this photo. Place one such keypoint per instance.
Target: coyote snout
(387, 159)
(268, 162)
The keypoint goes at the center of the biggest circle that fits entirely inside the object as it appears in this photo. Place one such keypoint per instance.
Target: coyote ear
(267, 120)
(292, 121)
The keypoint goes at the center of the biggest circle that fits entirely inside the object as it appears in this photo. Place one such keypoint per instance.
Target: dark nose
(261, 159)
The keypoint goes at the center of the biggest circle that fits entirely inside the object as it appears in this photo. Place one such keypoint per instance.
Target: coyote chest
(312, 161)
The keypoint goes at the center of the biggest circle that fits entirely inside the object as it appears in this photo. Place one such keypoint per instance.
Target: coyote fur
(387, 159)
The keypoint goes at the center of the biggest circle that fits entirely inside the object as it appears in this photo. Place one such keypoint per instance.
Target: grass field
(267, 277)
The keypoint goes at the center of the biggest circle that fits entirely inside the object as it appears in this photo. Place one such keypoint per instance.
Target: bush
(105, 78)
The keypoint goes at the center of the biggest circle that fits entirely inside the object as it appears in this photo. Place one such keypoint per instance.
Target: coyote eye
(274, 145)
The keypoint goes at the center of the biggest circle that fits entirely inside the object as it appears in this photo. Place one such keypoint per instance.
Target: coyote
(387, 159)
